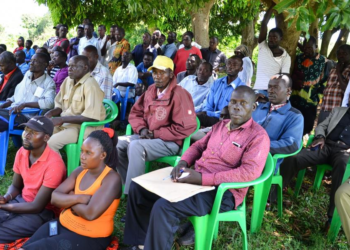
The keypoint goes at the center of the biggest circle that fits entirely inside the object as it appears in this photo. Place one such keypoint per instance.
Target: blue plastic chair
(4, 137)
(123, 101)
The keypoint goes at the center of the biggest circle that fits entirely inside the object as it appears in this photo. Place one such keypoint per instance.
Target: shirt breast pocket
(232, 154)
(65, 102)
(77, 104)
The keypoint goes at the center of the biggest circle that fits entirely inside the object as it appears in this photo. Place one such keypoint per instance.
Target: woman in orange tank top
(89, 198)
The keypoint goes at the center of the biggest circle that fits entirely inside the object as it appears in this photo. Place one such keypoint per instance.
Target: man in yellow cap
(161, 118)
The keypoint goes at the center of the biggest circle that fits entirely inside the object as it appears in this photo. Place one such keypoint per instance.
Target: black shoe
(123, 219)
(181, 231)
(188, 238)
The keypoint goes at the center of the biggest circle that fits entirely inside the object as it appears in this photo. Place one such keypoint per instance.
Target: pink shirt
(225, 155)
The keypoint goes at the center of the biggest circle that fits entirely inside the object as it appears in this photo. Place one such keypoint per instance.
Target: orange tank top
(100, 227)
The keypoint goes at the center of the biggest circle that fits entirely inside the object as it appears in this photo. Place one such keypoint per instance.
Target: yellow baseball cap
(162, 63)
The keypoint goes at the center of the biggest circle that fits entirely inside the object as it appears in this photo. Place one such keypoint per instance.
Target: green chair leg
(321, 169)
(335, 227)
(299, 182)
(261, 193)
(277, 180)
(123, 195)
(243, 224)
(72, 157)
(200, 227)
(216, 231)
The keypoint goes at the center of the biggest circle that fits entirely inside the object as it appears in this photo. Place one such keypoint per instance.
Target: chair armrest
(24, 111)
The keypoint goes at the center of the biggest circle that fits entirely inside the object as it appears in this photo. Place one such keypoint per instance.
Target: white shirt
(268, 65)
(129, 74)
(247, 73)
(346, 96)
(193, 44)
(83, 42)
(41, 90)
(109, 54)
(198, 92)
(101, 43)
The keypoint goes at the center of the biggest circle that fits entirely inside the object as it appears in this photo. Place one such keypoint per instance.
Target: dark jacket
(10, 86)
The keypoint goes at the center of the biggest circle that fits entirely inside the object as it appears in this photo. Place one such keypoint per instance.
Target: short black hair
(30, 41)
(90, 25)
(163, 36)
(62, 53)
(312, 40)
(102, 26)
(1, 50)
(21, 53)
(81, 58)
(190, 34)
(3, 46)
(198, 59)
(121, 30)
(109, 145)
(92, 49)
(64, 25)
(278, 31)
(44, 51)
(208, 64)
(21, 38)
(236, 57)
(215, 38)
(344, 47)
(147, 33)
(114, 26)
(289, 82)
(8, 58)
(44, 57)
(147, 53)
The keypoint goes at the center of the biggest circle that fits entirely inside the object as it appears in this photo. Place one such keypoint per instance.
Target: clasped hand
(193, 177)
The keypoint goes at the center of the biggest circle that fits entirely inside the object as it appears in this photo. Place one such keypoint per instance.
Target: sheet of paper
(157, 183)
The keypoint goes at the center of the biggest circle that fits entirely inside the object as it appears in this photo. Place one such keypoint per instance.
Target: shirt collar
(207, 84)
(97, 68)
(41, 78)
(6, 77)
(43, 156)
(247, 124)
(83, 79)
(233, 83)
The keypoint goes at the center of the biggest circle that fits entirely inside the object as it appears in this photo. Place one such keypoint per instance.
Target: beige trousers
(63, 136)
(342, 203)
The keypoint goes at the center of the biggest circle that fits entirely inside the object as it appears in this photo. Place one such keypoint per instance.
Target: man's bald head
(7, 62)
(248, 91)
(78, 67)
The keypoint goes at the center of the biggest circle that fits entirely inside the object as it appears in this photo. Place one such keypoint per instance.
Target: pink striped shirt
(225, 155)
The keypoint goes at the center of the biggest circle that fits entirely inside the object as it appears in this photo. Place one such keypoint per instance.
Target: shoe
(123, 219)
(188, 238)
(183, 228)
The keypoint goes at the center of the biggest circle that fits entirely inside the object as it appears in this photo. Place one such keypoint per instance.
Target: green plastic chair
(336, 222)
(207, 227)
(73, 149)
(171, 160)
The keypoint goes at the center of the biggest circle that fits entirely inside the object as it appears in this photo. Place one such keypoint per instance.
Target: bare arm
(5, 104)
(41, 199)
(78, 119)
(263, 29)
(53, 112)
(64, 197)
(109, 191)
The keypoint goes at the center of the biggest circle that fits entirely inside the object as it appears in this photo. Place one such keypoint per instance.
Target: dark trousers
(309, 114)
(207, 121)
(16, 226)
(65, 239)
(5, 116)
(152, 221)
(332, 153)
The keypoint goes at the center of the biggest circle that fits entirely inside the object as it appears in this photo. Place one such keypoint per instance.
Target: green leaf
(283, 5)
(321, 9)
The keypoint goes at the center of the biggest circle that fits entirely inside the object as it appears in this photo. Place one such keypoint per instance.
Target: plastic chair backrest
(111, 114)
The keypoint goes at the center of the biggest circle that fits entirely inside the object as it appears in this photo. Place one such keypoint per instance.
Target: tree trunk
(248, 36)
(342, 38)
(290, 35)
(313, 29)
(200, 23)
(326, 38)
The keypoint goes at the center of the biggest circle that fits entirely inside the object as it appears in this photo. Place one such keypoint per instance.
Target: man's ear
(254, 107)
(289, 91)
(171, 74)
(241, 69)
(46, 138)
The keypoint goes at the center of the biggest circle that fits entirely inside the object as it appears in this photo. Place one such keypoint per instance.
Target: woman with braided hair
(246, 74)
(89, 198)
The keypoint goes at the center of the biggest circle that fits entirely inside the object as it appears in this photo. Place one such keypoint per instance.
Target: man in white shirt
(110, 45)
(89, 39)
(102, 40)
(125, 76)
(199, 85)
(101, 73)
(272, 58)
(247, 73)
(36, 90)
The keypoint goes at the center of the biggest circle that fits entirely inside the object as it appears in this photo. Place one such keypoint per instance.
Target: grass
(301, 226)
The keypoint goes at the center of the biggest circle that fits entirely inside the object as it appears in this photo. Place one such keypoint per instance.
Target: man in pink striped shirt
(234, 150)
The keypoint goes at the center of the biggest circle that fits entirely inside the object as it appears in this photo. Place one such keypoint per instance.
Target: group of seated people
(239, 127)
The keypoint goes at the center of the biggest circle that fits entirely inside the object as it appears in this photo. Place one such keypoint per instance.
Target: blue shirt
(137, 54)
(198, 92)
(284, 126)
(220, 95)
(29, 54)
(141, 68)
(169, 50)
(23, 67)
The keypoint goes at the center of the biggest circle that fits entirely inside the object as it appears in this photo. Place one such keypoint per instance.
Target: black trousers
(15, 226)
(309, 114)
(152, 221)
(207, 121)
(332, 153)
(5, 116)
(65, 239)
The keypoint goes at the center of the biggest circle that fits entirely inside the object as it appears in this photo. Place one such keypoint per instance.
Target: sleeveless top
(59, 42)
(100, 227)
